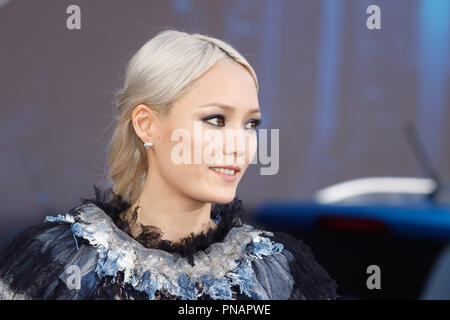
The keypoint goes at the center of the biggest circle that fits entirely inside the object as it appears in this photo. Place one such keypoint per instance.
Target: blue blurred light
(433, 63)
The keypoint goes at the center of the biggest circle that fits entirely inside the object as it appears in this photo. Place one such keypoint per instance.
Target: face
(203, 147)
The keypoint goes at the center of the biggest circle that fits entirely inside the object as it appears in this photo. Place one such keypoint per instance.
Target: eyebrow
(227, 107)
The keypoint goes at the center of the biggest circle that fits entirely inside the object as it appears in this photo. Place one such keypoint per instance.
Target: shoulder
(311, 280)
(33, 265)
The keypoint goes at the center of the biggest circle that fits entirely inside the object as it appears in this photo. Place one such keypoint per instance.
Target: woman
(171, 227)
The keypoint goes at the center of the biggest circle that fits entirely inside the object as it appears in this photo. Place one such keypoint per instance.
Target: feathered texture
(311, 279)
(31, 263)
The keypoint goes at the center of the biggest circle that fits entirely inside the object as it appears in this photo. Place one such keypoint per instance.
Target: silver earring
(147, 145)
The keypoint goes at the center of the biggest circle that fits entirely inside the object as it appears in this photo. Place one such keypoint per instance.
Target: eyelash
(222, 117)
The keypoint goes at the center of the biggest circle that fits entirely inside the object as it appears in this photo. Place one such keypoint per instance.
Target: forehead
(226, 82)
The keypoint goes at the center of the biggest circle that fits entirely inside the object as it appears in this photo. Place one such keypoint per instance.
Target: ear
(143, 119)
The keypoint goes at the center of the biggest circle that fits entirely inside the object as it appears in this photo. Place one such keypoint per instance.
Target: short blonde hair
(159, 73)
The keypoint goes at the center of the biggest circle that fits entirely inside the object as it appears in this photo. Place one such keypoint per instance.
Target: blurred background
(341, 95)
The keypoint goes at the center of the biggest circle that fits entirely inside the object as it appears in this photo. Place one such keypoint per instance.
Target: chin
(212, 194)
(223, 197)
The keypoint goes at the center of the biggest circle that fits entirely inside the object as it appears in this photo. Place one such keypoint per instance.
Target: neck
(175, 214)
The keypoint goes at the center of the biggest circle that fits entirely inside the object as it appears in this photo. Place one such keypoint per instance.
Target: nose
(235, 142)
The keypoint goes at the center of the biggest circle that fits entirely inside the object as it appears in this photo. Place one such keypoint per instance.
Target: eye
(253, 124)
(217, 120)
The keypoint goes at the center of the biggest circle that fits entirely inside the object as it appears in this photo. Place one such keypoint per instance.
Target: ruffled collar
(226, 216)
(214, 271)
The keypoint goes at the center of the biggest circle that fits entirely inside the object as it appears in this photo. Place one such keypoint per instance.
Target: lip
(227, 177)
(235, 168)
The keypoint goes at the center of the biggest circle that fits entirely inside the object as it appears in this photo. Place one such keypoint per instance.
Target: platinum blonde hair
(159, 73)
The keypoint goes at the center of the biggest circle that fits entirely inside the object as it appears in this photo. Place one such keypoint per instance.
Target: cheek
(170, 152)
(211, 148)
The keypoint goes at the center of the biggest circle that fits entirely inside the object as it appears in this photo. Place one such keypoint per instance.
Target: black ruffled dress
(97, 250)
